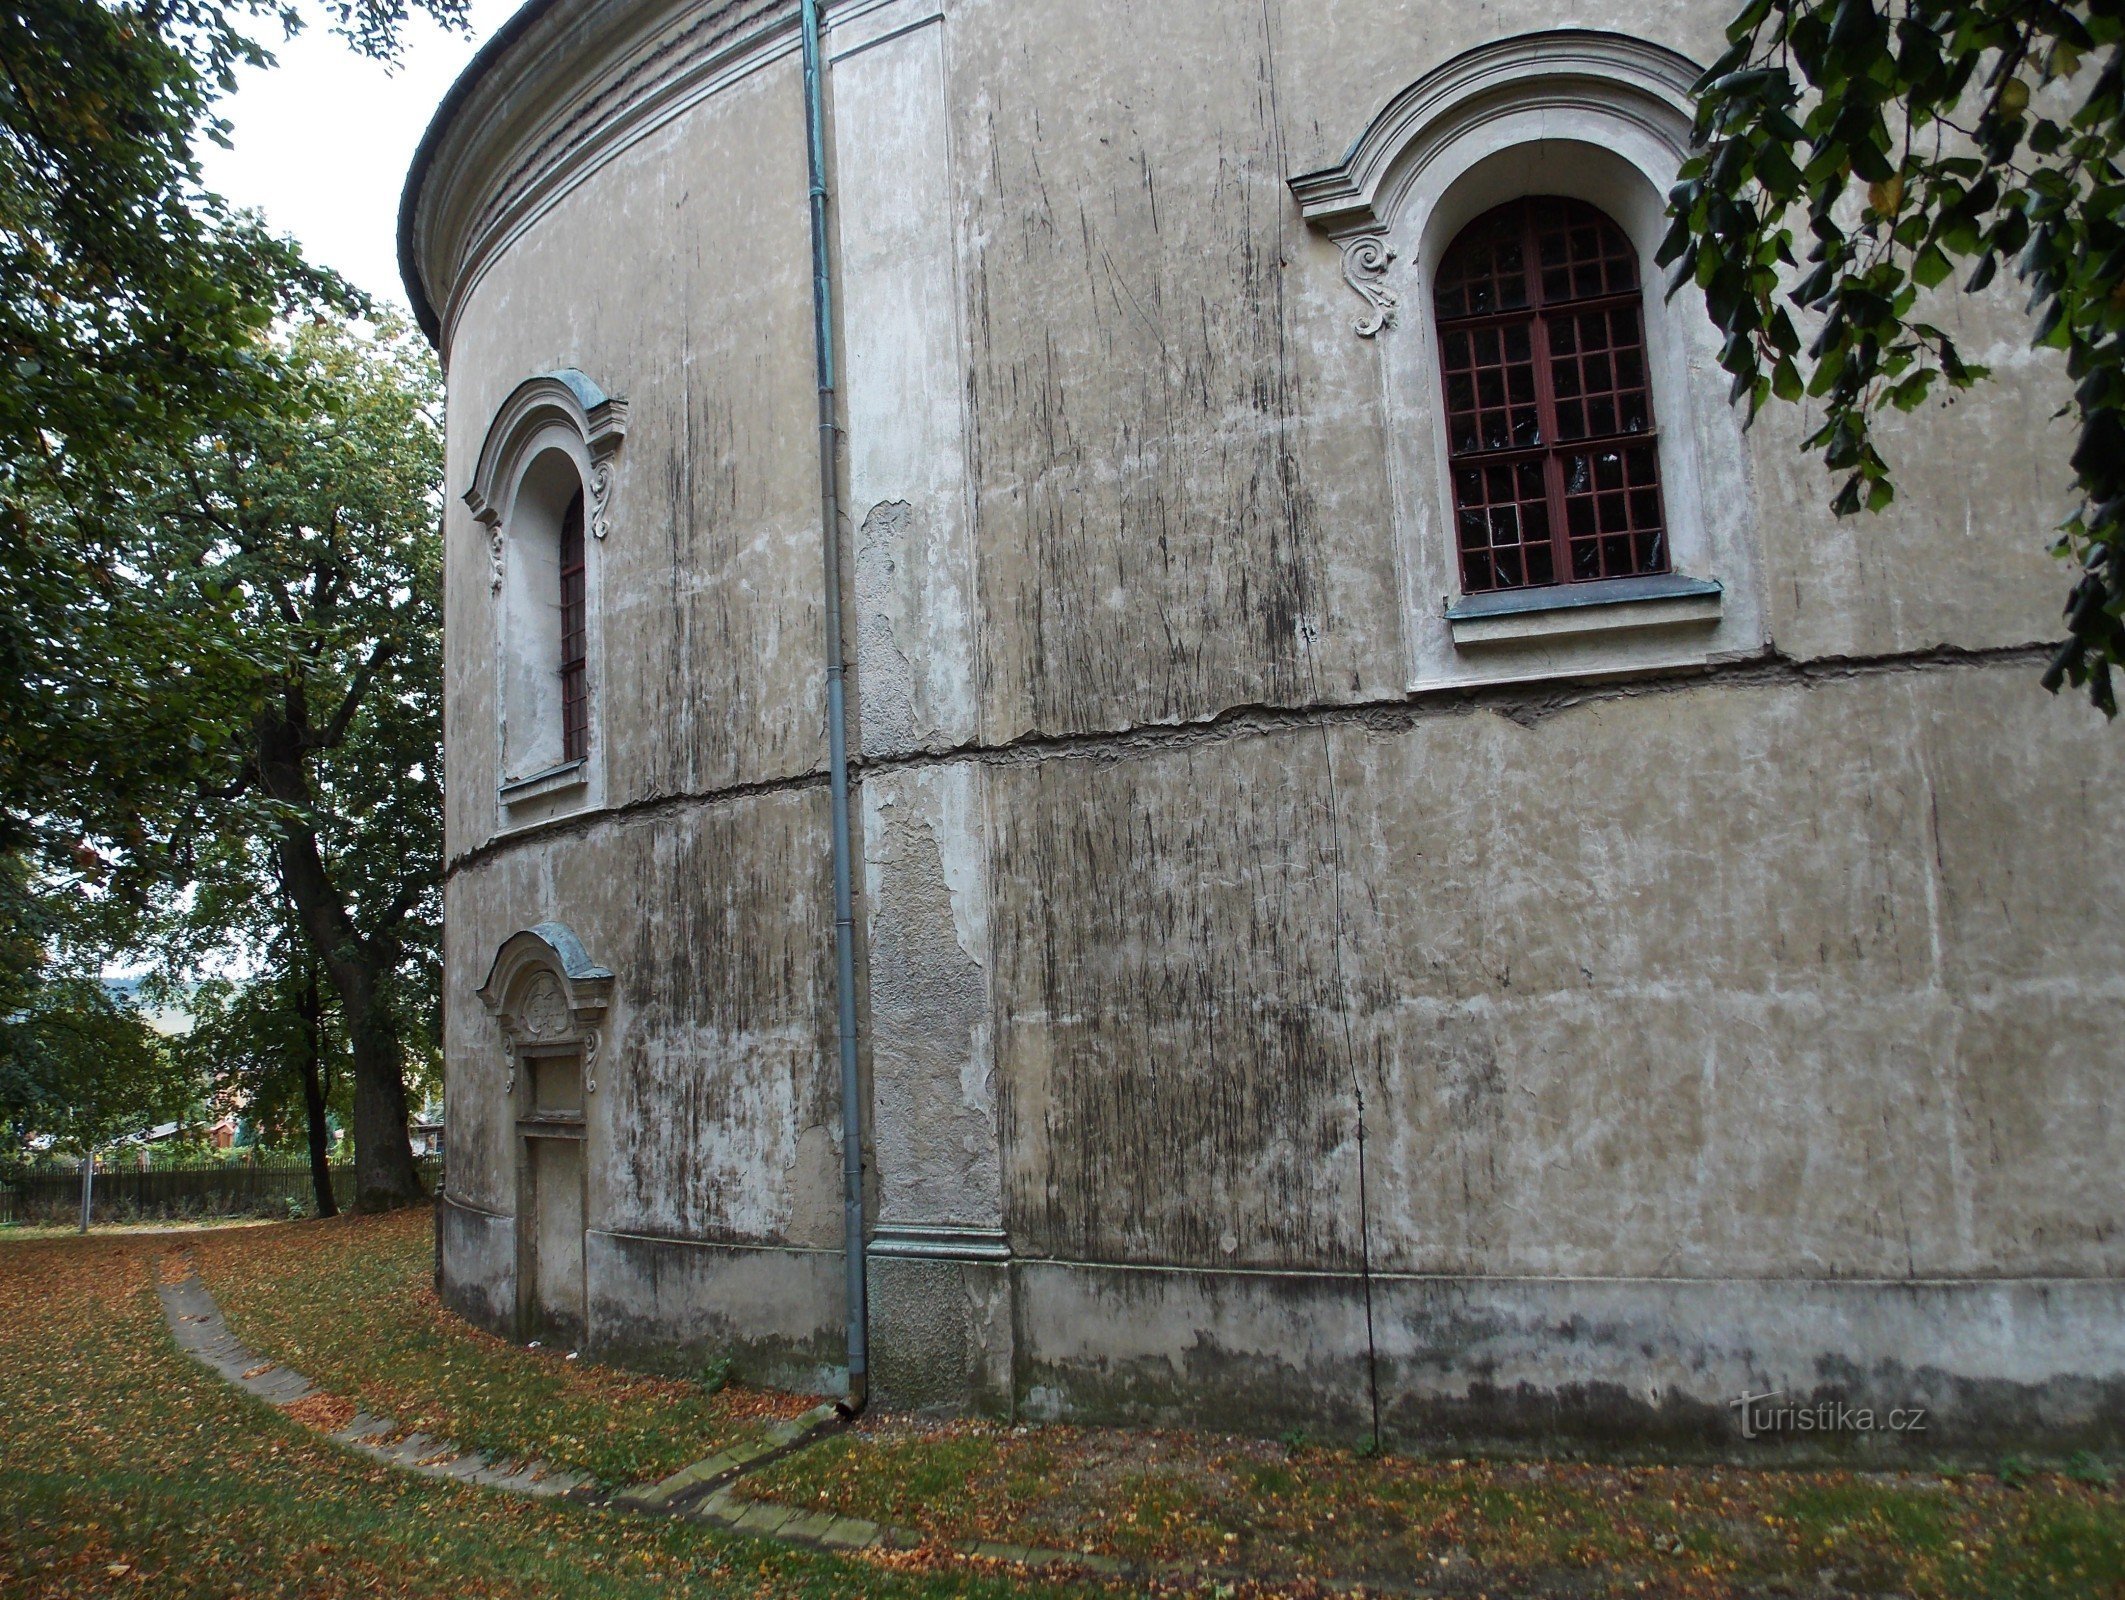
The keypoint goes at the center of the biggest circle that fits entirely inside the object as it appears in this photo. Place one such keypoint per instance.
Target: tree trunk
(314, 1094)
(384, 1174)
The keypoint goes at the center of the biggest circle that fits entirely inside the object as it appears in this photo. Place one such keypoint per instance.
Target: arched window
(543, 492)
(575, 686)
(544, 626)
(1549, 406)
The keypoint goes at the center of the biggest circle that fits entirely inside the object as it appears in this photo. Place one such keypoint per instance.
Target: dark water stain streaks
(731, 987)
(1170, 1091)
(1149, 543)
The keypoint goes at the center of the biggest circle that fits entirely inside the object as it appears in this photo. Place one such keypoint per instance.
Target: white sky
(323, 140)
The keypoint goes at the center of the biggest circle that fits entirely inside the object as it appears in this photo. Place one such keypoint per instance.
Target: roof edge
(483, 60)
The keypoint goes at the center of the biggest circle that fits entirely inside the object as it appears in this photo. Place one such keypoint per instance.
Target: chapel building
(1404, 871)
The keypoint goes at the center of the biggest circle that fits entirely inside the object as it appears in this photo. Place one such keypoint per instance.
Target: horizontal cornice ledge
(938, 1241)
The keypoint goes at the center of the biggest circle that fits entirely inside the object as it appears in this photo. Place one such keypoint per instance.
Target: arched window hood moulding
(566, 399)
(544, 990)
(555, 944)
(1354, 202)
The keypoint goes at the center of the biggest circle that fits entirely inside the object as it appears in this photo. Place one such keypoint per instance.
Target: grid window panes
(575, 687)
(1549, 407)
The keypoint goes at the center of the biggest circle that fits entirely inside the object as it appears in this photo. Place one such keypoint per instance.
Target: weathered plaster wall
(1547, 1364)
(679, 279)
(905, 364)
(1772, 996)
(926, 884)
(1174, 475)
(1181, 494)
(715, 1119)
(1174, 1039)
(1711, 1031)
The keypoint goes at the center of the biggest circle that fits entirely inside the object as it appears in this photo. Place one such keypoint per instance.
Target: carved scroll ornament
(536, 410)
(1365, 260)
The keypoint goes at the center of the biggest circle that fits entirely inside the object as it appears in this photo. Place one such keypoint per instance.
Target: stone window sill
(1581, 610)
(551, 1125)
(563, 779)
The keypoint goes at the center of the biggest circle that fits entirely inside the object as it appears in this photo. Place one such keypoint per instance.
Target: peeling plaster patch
(885, 677)
(814, 1184)
(914, 672)
(925, 879)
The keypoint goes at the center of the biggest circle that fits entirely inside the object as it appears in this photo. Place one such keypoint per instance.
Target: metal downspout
(836, 725)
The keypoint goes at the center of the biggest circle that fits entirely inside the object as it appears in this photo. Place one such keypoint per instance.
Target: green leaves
(254, 684)
(85, 1069)
(134, 308)
(1940, 114)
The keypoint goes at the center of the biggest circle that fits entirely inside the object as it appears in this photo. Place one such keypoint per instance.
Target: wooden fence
(241, 1189)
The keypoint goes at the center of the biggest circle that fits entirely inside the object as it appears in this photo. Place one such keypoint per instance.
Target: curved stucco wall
(1707, 1002)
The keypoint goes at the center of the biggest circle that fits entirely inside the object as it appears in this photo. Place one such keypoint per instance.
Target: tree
(131, 305)
(85, 1070)
(285, 571)
(1911, 135)
(272, 1043)
(135, 309)
(75, 1064)
(312, 533)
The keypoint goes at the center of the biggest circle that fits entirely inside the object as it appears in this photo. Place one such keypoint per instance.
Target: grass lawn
(128, 1470)
(350, 1303)
(1474, 1527)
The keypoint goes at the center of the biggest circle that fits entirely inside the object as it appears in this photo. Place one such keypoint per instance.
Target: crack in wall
(1527, 705)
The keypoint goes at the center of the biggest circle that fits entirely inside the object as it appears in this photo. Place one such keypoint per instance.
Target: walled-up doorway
(549, 1001)
(551, 1304)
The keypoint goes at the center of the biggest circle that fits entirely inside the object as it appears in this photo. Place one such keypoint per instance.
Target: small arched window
(543, 492)
(575, 686)
(1549, 404)
(544, 632)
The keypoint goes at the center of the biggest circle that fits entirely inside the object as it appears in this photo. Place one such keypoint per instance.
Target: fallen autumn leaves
(351, 1304)
(127, 1470)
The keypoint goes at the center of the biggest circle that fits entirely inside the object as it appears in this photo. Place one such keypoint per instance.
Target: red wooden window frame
(575, 685)
(1551, 447)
